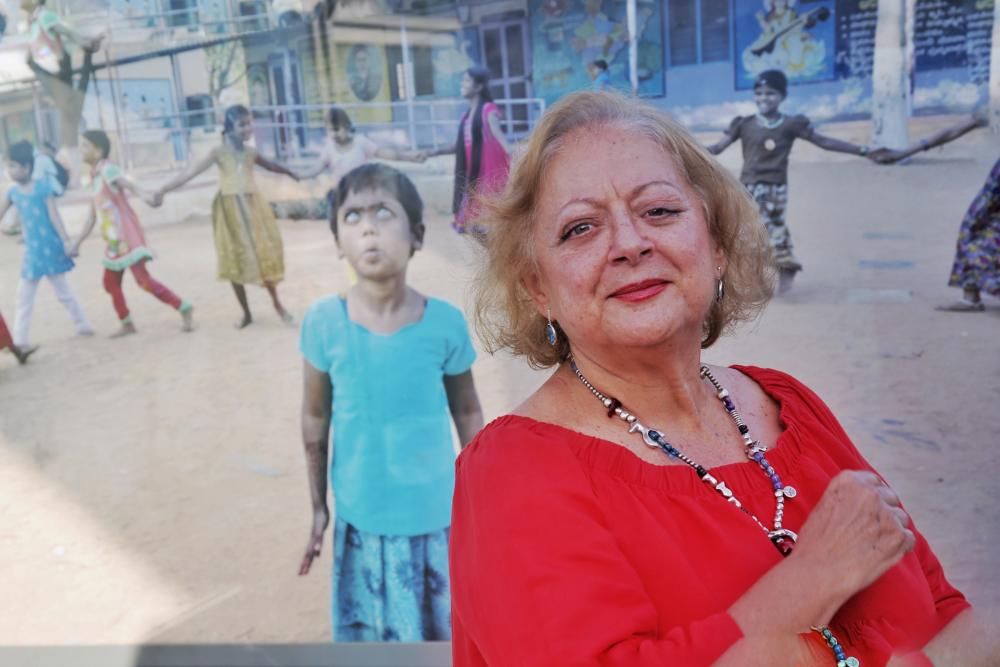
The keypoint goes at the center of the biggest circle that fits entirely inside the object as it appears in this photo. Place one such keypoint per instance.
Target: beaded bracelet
(843, 660)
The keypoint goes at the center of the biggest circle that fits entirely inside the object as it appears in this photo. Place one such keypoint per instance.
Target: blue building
(699, 57)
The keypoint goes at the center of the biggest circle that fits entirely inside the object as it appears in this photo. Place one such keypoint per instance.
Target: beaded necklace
(770, 124)
(782, 538)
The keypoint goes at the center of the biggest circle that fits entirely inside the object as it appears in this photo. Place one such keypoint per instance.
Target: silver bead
(708, 479)
(624, 415)
(723, 489)
(630, 419)
(607, 402)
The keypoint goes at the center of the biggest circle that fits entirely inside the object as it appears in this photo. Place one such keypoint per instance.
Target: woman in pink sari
(482, 154)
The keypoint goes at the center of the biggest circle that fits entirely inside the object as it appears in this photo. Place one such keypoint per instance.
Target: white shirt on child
(340, 162)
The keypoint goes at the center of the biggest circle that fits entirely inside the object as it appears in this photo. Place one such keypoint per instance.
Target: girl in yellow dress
(247, 239)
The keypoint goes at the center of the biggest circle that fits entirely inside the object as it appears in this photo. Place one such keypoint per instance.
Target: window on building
(181, 13)
(203, 106)
(423, 71)
(699, 31)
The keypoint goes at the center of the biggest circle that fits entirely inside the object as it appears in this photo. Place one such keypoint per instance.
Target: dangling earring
(550, 329)
(720, 287)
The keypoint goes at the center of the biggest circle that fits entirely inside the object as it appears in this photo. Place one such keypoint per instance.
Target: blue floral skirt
(390, 589)
(977, 257)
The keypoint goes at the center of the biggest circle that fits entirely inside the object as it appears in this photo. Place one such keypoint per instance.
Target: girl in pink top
(482, 154)
(122, 232)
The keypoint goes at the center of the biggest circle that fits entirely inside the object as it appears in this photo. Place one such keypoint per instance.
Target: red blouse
(568, 550)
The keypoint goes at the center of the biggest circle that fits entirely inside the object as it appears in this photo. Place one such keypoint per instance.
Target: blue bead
(827, 633)
(654, 435)
(758, 457)
(770, 470)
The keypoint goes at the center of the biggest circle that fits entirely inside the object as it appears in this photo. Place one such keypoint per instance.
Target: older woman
(642, 508)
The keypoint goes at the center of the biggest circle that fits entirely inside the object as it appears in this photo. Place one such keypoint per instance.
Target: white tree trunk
(995, 70)
(633, 46)
(891, 96)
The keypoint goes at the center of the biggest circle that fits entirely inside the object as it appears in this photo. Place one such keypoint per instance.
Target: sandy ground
(153, 489)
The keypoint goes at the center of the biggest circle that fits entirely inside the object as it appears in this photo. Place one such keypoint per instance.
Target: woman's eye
(352, 217)
(659, 212)
(576, 230)
(383, 213)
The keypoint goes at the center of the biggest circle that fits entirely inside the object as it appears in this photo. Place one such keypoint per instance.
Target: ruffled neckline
(611, 458)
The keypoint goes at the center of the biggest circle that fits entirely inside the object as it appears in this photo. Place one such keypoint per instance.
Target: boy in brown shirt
(767, 139)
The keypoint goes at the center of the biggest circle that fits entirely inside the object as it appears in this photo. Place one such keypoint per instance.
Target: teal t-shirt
(393, 468)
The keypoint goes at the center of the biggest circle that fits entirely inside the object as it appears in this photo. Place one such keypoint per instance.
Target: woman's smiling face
(623, 251)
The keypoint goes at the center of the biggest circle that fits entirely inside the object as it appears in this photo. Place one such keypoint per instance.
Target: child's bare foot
(127, 329)
(243, 322)
(22, 353)
(86, 333)
(187, 315)
(286, 317)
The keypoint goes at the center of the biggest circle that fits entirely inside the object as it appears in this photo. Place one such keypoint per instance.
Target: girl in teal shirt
(391, 369)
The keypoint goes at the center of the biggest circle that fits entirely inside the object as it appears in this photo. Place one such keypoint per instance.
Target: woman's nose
(629, 242)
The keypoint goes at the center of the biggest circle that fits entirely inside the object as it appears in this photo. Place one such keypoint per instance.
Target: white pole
(121, 118)
(891, 75)
(404, 43)
(180, 106)
(995, 71)
(633, 47)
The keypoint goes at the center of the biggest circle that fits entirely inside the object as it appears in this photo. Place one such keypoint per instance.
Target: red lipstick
(640, 291)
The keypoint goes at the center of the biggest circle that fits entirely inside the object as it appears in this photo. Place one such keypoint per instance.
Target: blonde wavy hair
(507, 318)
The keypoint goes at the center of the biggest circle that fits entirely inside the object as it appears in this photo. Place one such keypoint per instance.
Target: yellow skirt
(247, 240)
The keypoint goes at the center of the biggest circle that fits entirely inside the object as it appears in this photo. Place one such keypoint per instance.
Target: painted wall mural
(797, 38)
(954, 34)
(856, 22)
(363, 80)
(567, 35)
(451, 62)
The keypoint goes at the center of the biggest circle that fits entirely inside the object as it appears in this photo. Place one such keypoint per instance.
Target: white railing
(294, 132)
(414, 124)
(151, 22)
